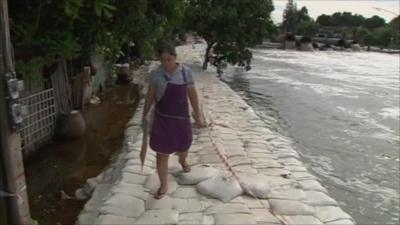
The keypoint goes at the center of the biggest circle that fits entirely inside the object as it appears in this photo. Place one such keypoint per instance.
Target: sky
(363, 7)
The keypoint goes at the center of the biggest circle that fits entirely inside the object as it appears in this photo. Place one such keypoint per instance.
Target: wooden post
(10, 151)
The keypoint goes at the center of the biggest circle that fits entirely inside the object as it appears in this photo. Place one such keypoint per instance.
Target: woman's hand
(194, 100)
(200, 123)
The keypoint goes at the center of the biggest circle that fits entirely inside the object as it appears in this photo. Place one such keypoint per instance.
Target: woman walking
(170, 88)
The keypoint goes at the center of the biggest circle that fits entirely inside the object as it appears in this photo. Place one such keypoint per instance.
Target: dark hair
(166, 48)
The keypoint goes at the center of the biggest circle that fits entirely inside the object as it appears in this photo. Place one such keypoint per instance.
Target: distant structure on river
(320, 42)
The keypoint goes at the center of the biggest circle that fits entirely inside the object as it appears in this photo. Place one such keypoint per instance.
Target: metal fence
(39, 125)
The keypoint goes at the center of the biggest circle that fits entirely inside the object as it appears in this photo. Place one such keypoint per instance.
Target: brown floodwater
(65, 165)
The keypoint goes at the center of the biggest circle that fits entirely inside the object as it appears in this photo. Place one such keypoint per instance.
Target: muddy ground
(65, 165)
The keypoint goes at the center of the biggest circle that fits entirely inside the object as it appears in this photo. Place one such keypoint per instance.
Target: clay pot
(71, 126)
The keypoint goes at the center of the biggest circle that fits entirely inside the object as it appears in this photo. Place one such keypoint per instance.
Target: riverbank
(122, 193)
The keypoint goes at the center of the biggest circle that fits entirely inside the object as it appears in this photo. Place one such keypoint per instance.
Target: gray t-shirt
(158, 80)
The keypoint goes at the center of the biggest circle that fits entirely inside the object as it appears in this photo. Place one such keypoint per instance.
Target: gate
(39, 125)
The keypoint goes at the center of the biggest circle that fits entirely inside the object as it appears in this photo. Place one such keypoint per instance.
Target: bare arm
(194, 101)
(149, 101)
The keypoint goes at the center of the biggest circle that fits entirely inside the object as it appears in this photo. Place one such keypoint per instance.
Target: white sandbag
(196, 175)
(224, 189)
(309, 220)
(158, 217)
(87, 218)
(235, 219)
(290, 208)
(330, 214)
(316, 198)
(153, 183)
(123, 205)
(255, 185)
(109, 219)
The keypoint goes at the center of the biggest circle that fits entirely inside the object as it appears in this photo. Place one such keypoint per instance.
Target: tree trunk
(206, 58)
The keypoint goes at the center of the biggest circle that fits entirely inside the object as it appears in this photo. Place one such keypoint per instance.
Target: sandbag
(224, 189)
(255, 185)
(196, 175)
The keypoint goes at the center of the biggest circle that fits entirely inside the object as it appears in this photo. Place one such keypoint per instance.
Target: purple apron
(171, 130)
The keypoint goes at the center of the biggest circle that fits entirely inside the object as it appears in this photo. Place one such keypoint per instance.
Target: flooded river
(341, 110)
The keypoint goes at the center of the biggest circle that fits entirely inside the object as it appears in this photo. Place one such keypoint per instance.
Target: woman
(170, 88)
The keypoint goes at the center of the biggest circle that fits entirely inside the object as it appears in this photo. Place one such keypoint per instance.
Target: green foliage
(103, 8)
(395, 26)
(325, 20)
(371, 31)
(370, 39)
(72, 8)
(307, 28)
(395, 23)
(386, 36)
(31, 67)
(292, 17)
(374, 22)
(382, 37)
(289, 17)
(346, 19)
(302, 15)
(44, 31)
(230, 27)
(360, 34)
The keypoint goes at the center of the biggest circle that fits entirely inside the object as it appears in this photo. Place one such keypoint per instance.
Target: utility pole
(3, 205)
(17, 205)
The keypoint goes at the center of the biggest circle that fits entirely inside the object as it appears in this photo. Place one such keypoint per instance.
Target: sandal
(159, 194)
(185, 167)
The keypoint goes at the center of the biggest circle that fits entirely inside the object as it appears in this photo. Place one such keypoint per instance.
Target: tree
(395, 23)
(357, 20)
(325, 20)
(346, 19)
(307, 28)
(395, 26)
(360, 34)
(147, 22)
(384, 36)
(290, 17)
(44, 32)
(302, 15)
(370, 39)
(338, 19)
(230, 27)
(293, 17)
(374, 22)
